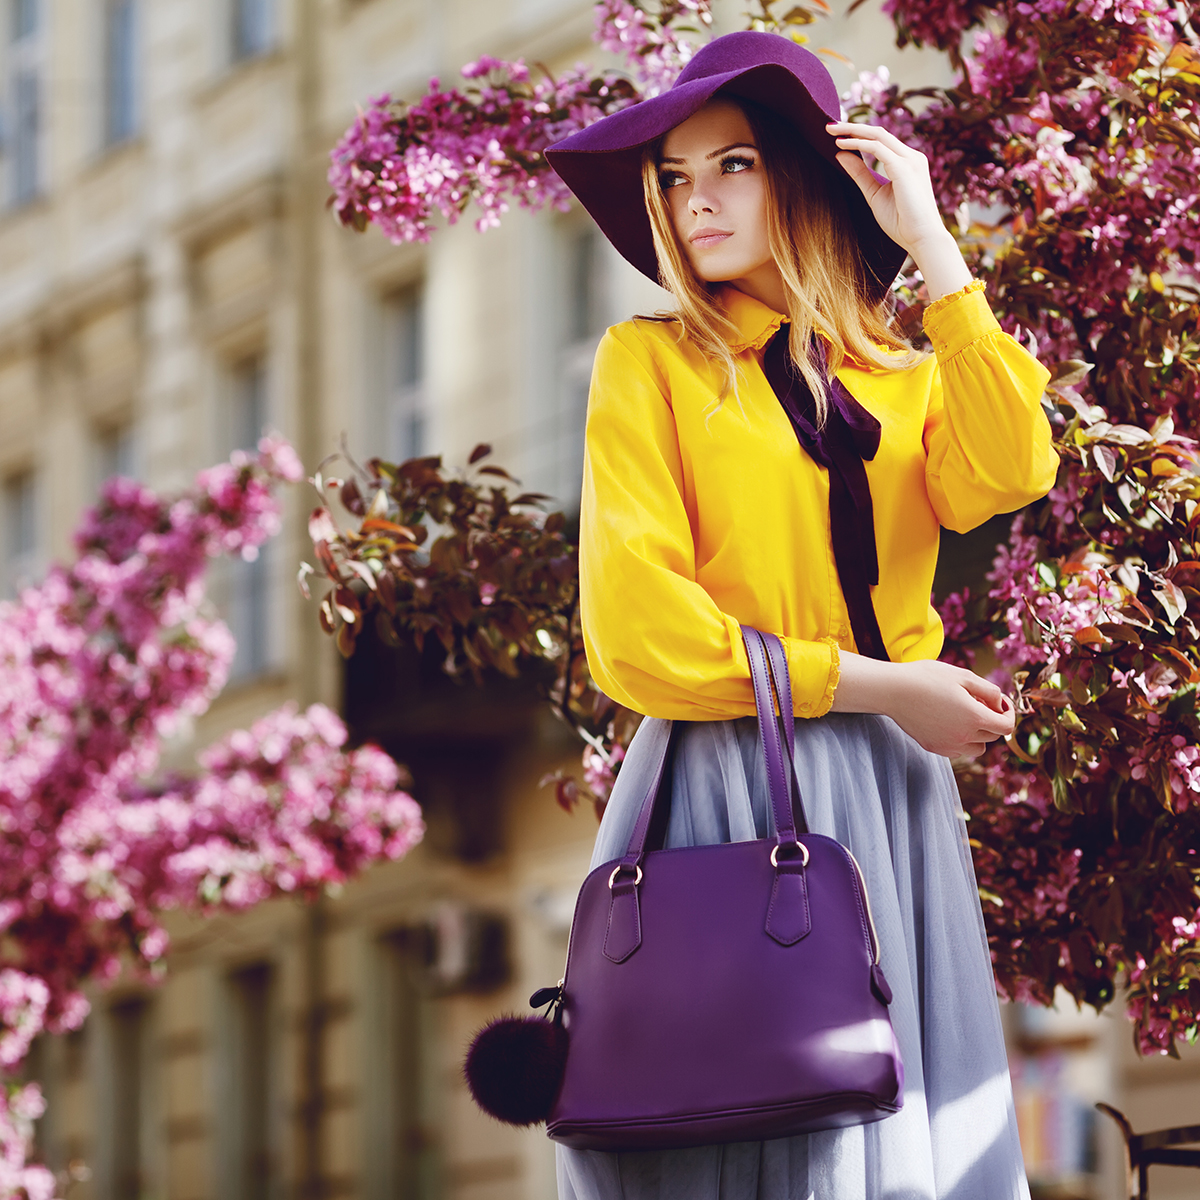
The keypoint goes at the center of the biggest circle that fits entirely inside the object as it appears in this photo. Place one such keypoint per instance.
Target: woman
(775, 455)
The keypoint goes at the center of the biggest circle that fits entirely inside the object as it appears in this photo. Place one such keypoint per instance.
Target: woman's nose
(702, 201)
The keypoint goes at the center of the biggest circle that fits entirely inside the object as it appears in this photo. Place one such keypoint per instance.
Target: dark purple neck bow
(849, 436)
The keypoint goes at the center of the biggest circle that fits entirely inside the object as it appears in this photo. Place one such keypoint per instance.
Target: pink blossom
(600, 772)
(398, 165)
(20, 1106)
(652, 46)
(97, 663)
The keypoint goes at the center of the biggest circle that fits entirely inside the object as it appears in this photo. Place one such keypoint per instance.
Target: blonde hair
(815, 247)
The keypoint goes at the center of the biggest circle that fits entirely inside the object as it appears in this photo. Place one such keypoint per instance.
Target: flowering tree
(498, 587)
(1067, 157)
(1075, 123)
(99, 662)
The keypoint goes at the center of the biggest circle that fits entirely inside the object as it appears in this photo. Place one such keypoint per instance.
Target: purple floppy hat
(602, 164)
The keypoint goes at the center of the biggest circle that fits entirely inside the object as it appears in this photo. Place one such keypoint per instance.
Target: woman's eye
(669, 179)
(735, 162)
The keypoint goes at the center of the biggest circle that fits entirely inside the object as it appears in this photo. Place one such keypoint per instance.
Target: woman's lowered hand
(945, 709)
(904, 203)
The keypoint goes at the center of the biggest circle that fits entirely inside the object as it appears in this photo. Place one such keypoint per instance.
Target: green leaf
(1105, 458)
(1163, 428)
(1063, 799)
(1070, 372)
(1129, 435)
(1068, 718)
(1173, 601)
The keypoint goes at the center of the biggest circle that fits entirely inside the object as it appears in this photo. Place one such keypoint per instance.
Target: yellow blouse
(698, 517)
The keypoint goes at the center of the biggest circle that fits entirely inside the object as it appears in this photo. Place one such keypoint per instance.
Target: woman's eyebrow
(715, 153)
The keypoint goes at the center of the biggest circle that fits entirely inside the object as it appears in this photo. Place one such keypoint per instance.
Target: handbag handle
(782, 679)
(768, 665)
(788, 912)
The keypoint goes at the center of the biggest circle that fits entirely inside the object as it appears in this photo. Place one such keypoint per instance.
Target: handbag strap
(782, 679)
(778, 785)
(768, 666)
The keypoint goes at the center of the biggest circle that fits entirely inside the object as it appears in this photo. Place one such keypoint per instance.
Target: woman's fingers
(948, 710)
(986, 691)
(881, 151)
(993, 725)
(859, 172)
(991, 715)
(872, 133)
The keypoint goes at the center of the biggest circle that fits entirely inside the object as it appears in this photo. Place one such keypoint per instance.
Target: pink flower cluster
(1092, 622)
(280, 807)
(398, 165)
(23, 1001)
(97, 663)
(933, 22)
(20, 1106)
(1065, 136)
(942, 23)
(651, 43)
(600, 772)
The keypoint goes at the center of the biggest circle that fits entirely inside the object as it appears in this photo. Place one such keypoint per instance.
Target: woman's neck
(764, 284)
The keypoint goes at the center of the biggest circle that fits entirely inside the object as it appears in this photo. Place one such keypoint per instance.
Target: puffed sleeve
(656, 641)
(987, 440)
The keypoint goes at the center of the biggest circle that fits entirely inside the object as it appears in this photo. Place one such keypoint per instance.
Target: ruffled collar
(755, 322)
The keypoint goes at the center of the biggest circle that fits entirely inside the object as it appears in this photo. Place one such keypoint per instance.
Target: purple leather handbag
(726, 993)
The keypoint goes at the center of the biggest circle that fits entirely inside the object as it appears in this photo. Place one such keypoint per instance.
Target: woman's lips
(707, 238)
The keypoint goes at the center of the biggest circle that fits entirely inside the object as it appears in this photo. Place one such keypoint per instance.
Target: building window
(404, 434)
(24, 18)
(247, 1158)
(248, 581)
(586, 306)
(20, 531)
(120, 71)
(248, 403)
(253, 28)
(401, 1139)
(24, 101)
(115, 453)
(587, 293)
(127, 1112)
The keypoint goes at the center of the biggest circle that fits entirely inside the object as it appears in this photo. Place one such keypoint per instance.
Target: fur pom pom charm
(515, 1065)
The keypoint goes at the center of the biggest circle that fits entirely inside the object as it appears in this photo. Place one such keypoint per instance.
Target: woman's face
(711, 175)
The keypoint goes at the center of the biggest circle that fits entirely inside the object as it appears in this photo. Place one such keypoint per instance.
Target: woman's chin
(712, 269)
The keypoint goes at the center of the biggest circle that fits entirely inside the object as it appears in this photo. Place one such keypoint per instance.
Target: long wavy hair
(815, 246)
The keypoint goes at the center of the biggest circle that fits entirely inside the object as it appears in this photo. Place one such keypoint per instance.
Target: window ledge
(109, 155)
(268, 677)
(234, 72)
(20, 210)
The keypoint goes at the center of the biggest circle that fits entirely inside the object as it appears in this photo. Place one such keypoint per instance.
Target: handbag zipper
(862, 883)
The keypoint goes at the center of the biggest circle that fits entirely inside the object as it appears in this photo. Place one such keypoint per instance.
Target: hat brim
(602, 164)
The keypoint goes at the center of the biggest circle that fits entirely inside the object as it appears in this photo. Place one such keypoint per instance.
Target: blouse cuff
(815, 668)
(956, 320)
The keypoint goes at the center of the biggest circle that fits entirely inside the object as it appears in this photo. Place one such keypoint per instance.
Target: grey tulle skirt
(868, 784)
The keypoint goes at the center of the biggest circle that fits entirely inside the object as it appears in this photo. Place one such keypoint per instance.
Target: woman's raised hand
(904, 205)
(945, 709)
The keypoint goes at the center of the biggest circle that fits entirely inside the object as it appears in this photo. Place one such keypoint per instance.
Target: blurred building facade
(171, 284)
